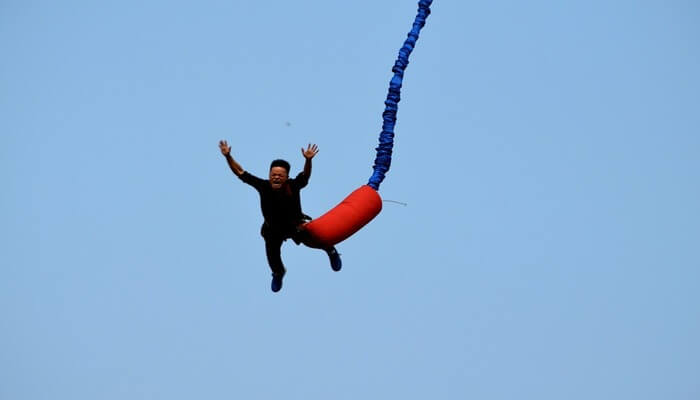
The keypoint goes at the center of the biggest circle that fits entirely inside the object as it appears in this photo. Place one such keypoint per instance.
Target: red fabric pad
(360, 207)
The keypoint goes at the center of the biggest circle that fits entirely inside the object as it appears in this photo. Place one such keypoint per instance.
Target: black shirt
(281, 208)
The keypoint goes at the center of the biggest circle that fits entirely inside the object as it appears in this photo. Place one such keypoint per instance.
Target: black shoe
(276, 284)
(336, 263)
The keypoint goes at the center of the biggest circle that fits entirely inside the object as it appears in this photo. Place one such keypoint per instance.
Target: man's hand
(226, 151)
(310, 152)
(225, 148)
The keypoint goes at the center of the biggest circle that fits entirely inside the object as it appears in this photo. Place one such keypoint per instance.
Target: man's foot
(276, 284)
(336, 263)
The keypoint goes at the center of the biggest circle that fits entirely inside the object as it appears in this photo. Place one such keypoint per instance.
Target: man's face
(278, 176)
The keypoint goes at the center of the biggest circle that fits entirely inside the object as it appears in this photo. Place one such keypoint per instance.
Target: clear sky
(548, 152)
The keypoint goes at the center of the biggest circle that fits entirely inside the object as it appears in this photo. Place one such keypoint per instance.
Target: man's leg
(302, 236)
(273, 247)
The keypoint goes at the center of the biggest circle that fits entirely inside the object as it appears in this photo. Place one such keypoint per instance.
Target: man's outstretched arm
(309, 153)
(226, 151)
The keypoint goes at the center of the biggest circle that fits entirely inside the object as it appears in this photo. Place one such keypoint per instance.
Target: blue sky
(548, 153)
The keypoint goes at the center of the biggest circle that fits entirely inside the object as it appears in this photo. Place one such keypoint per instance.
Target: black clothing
(282, 212)
(281, 208)
(273, 247)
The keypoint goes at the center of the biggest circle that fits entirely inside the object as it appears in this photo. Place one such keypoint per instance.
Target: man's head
(279, 173)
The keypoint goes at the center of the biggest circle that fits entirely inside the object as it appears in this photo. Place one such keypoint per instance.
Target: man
(280, 202)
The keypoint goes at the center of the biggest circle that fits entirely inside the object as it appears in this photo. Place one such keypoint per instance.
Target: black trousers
(274, 237)
(273, 246)
(273, 250)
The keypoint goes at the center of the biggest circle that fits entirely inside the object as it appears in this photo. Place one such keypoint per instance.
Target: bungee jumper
(280, 202)
(279, 195)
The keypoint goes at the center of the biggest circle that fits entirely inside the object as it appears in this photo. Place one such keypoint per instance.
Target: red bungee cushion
(360, 207)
